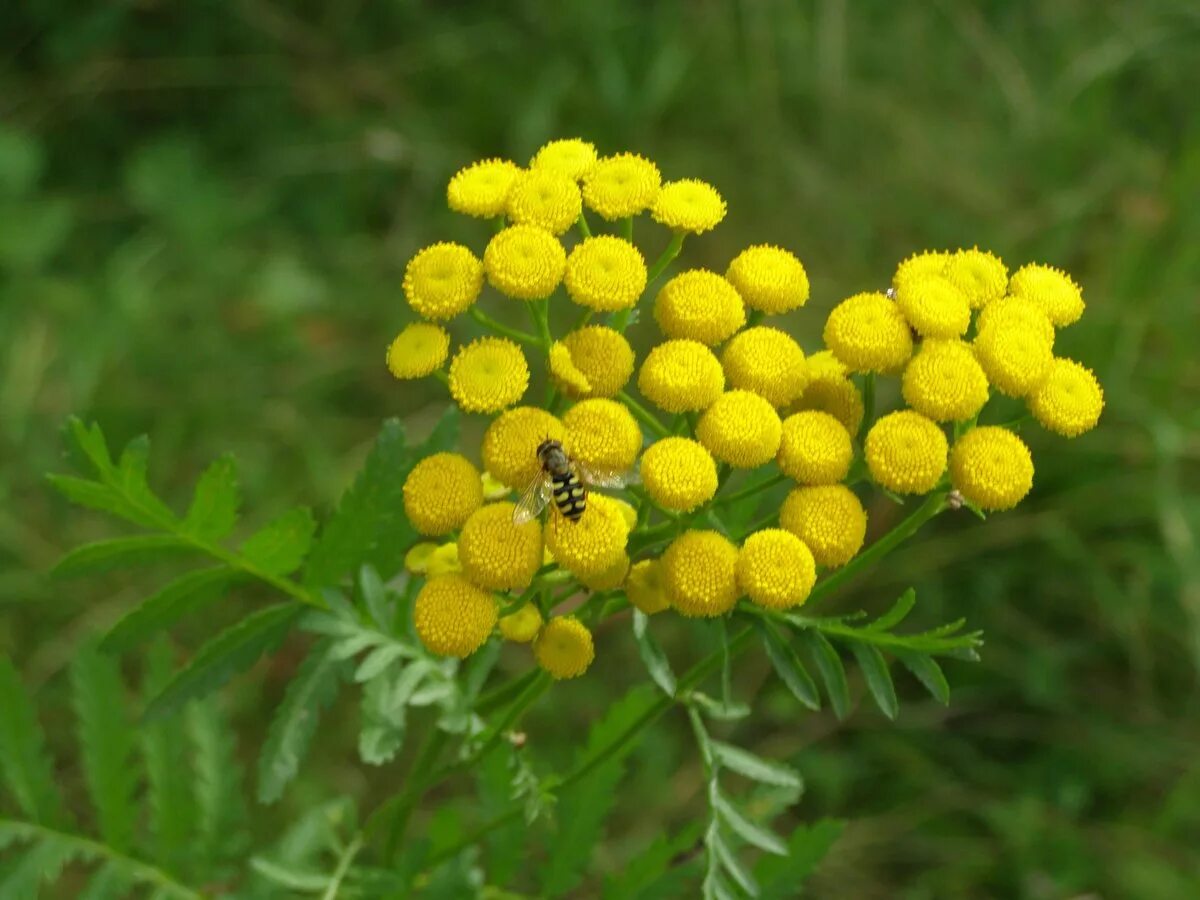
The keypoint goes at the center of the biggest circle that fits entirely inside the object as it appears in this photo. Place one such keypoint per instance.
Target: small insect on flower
(566, 480)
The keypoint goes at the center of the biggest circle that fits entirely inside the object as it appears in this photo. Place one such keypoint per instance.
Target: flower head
(511, 441)
(921, 265)
(593, 544)
(741, 429)
(934, 307)
(829, 519)
(1014, 357)
(906, 452)
(645, 588)
(945, 382)
(603, 434)
(1069, 400)
(981, 276)
(481, 189)
(699, 305)
(524, 262)
(419, 350)
(442, 281)
(488, 374)
(699, 572)
(829, 390)
(521, 626)
(416, 560)
(815, 448)
(621, 185)
(605, 273)
(497, 553)
(867, 333)
(545, 199)
(775, 569)
(453, 617)
(440, 493)
(573, 157)
(770, 279)
(679, 473)
(565, 373)
(1053, 290)
(607, 579)
(688, 205)
(602, 356)
(991, 467)
(1019, 311)
(768, 362)
(564, 648)
(444, 560)
(681, 376)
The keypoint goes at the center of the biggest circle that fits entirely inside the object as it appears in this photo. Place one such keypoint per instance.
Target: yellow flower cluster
(717, 394)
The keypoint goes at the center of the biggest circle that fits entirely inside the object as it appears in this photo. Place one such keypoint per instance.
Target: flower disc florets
(1019, 311)
(602, 356)
(741, 429)
(770, 279)
(1014, 357)
(442, 281)
(525, 262)
(498, 554)
(945, 382)
(906, 452)
(1069, 401)
(521, 626)
(867, 333)
(679, 473)
(1053, 290)
(453, 617)
(829, 390)
(688, 205)
(921, 265)
(775, 569)
(829, 519)
(488, 374)
(934, 307)
(681, 376)
(815, 448)
(564, 648)
(441, 492)
(768, 362)
(699, 305)
(991, 467)
(481, 189)
(545, 199)
(606, 273)
(592, 545)
(621, 185)
(981, 276)
(645, 588)
(573, 157)
(511, 441)
(699, 572)
(603, 434)
(419, 350)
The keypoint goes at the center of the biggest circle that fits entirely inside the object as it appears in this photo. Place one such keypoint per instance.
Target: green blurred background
(205, 212)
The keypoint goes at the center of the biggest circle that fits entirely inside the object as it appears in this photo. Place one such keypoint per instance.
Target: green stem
(868, 405)
(671, 251)
(539, 310)
(431, 749)
(644, 415)
(627, 228)
(584, 318)
(499, 223)
(584, 229)
(523, 337)
(343, 866)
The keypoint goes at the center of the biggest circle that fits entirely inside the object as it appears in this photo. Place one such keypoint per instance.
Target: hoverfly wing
(606, 478)
(533, 499)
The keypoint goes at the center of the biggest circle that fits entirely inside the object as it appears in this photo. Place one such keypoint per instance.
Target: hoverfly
(565, 480)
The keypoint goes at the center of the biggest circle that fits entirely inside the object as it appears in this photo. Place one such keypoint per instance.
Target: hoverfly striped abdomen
(570, 496)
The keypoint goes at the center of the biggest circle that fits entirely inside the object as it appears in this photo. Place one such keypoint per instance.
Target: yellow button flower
(867, 333)
(521, 626)
(525, 262)
(606, 273)
(823, 364)
(416, 560)
(945, 382)
(1014, 357)
(934, 307)
(498, 554)
(1069, 400)
(564, 648)
(767, 362)
(815, 448)
(1059, 297)
(481, 189)
(609, 579)
(699, 573)
(681, 376)
(602, 356)
(839, 397)
(829, 519)
(775, 569)
(488, 374)
(688, 205)
(511, 441)
(419, 350)
(644, 587)
(906, 452)
(603, 434)
(573, 157)
(991, 467)
(621, 185)
(565, 373)
(770, 279)
(679, 473)
(1019, 311)
(444, 560)
(921, 265)
(981, 276)
(699, 305)
(592, 545)
(440, 493)
(628, 513)
(453, 617)
(545, 199)
(741, 429)
(442, 281)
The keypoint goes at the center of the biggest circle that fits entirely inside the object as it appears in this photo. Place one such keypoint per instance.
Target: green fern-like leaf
(780, 877)
(215, 501)
(171, 801)
(186, 594)
(280, 547)
(221, 810)
(27, 768)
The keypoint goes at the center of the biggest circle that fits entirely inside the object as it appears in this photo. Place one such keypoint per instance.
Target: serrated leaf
(750, 832)
(90, 441)
(295, 721)
(379, 659)
(186, 594)
(652, 654)
(101, 556)
(106, 744)
(41, 863)
(233, 650)
(107, 883)
(384, 711)
(215, 501)
(928, 672)
(894, 616)
(731, 864)
(780, 877)
(646, 875)
(788, 666)
(280, 547)
(131, 478)
(97, 496)
(374, 595)
(879, 679)
(27, 767)
(169, 778)
(833, 673)
(719, 709)
(220, 807)
(754, 767)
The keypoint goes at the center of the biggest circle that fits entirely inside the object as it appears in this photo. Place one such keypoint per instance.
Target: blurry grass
(208, 242)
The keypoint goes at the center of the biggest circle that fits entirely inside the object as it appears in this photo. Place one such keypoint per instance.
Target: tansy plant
(745, 462)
